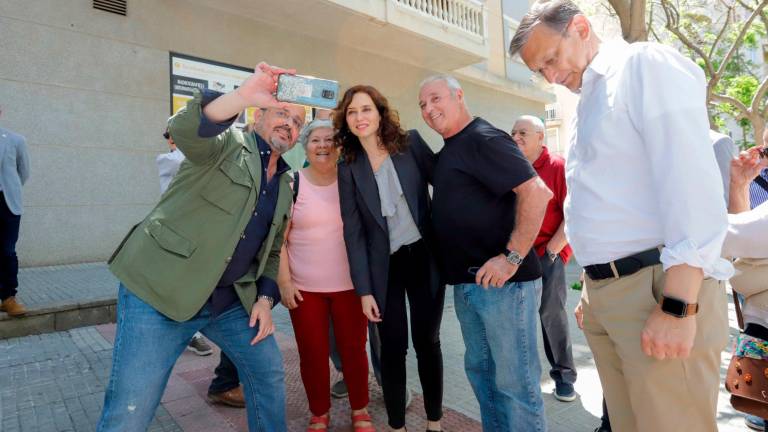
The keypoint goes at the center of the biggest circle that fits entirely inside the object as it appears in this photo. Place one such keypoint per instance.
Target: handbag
(747, 379)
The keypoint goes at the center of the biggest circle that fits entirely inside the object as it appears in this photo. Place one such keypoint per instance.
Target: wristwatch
(513, 257)
(678, 308)
(269, 300)
(552, 256)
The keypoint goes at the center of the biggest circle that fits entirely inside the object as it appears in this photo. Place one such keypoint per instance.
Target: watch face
(674, 306)
(514, 258)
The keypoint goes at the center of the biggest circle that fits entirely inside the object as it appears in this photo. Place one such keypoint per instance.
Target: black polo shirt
(473, 204)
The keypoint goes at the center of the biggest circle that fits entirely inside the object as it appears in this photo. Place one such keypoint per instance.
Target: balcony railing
(463, 14)
(552, 112)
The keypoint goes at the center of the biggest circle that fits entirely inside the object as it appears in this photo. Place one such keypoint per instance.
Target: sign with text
(189, 73)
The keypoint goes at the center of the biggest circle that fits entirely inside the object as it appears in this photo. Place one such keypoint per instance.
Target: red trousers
(311, 325)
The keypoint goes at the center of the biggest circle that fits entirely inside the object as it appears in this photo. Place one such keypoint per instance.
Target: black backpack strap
(295, 186)
(760, 180)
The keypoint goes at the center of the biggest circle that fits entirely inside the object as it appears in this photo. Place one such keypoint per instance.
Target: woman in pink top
(315, 284)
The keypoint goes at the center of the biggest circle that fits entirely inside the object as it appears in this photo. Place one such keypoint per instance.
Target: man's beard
(279, 145)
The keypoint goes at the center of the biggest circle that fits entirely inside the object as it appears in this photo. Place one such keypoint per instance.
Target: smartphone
(307, 90)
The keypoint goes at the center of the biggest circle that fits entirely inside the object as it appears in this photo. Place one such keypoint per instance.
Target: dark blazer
(365, 229)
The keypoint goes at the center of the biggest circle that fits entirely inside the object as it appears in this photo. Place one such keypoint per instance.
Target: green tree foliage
(725, 38)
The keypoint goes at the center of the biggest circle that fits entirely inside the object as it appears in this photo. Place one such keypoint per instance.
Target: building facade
(90, 88)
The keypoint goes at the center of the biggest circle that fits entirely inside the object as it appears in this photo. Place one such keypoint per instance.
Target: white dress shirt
(640, 171)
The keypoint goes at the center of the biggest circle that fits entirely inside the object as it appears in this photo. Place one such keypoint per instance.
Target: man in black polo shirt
(487, 210)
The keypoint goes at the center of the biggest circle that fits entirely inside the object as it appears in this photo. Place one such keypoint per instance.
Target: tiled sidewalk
(42, 287)
(55, 382)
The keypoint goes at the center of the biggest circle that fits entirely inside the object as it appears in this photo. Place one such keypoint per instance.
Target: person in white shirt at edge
(645, 217)
(748, 238)
(747, 229)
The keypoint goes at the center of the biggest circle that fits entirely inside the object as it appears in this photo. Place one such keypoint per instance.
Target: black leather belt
(624, 266)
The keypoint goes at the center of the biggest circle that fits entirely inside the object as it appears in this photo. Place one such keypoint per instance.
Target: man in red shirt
(553, 250)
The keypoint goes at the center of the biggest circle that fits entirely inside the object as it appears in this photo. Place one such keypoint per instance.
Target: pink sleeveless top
(316, 251)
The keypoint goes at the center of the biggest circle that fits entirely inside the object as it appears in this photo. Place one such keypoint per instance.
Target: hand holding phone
(307, 90)
(258, 89)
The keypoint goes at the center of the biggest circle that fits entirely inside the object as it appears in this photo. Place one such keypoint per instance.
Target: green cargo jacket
(174, 258)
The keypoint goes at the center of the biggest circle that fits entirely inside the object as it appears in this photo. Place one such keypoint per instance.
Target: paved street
(55, 382)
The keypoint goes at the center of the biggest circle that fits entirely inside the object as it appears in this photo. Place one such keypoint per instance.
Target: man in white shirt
(645, 217)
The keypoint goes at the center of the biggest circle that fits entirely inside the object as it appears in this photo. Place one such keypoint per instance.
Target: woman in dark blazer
(385, 207)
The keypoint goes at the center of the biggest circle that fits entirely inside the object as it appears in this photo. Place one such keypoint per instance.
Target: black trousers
(9, 262)
(409, 274)
(226, 377)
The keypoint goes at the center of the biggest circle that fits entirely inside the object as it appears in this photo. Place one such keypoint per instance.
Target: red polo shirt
(551, 169)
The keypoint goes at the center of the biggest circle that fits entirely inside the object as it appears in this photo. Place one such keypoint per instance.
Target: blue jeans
(147, 345)
(501, 359)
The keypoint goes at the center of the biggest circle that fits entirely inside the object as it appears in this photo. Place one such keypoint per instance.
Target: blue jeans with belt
(501, 359)
(147, 345)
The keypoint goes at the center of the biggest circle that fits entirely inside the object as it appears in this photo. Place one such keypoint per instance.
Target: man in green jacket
(206, 258)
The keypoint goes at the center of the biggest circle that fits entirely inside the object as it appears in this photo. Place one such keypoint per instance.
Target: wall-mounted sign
(189, 73)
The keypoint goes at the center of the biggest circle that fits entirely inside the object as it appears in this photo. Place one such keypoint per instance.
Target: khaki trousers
(644, 394)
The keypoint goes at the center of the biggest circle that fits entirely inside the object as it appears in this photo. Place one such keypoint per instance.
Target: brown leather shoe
(12, 307)
(233, 398)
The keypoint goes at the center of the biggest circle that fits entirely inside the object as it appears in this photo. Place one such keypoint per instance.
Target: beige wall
(89, 90)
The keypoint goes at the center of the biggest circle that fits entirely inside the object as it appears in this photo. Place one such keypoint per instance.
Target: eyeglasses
(283, 114)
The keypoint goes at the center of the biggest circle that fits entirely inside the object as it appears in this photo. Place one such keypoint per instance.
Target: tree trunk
(638, 31)
(631, 15)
